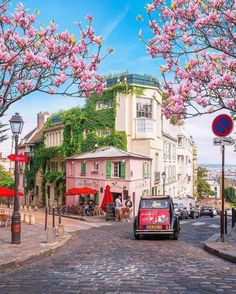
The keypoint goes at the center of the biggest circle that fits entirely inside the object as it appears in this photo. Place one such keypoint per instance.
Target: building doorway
(115, 195)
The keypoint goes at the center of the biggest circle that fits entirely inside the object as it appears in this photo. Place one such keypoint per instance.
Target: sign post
(222, 126)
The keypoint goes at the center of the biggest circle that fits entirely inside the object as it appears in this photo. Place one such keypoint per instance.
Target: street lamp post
(163, 175)
(16, 123)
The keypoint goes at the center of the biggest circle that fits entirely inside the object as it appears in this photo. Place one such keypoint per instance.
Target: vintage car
(156, 216)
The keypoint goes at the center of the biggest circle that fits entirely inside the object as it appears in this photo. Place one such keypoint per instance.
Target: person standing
(128, 205)
(118, 205)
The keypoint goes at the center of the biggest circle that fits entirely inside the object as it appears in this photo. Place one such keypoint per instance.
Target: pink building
(127, 174)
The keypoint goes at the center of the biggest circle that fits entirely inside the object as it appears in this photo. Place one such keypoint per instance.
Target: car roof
(156, 197)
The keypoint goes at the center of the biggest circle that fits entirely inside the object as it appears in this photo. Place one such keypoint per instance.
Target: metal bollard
(53, 217)
(46, 218)
(226, 222)
(233, 217)
(59, 217)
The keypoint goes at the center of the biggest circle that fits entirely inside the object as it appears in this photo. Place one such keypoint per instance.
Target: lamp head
(163, 175)
(16, 123)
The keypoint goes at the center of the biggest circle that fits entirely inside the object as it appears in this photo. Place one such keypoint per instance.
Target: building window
(104, 105)
(63, 167)
(180, 141)
(169, 151)
(164, 149)
(105, 132)
(173, 152)
(118, 170)
(144, 108)
(95, 167)
(83, 168)
(144, 126)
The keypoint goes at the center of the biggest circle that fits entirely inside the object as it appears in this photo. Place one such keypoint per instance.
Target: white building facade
(149, 132)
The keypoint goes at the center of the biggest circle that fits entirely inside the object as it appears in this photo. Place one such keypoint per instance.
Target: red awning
(5, 192)
(80, 191)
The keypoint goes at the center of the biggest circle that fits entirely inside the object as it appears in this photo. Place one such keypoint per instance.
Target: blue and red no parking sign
(222, 125)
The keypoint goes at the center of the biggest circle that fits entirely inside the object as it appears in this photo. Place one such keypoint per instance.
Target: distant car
(207, 210)
(181, 210)
(194, 212)
(218, 210)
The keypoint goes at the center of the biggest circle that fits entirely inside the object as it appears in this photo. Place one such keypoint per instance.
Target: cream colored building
(169, 137)
(184, 163)
(149, 132)
(139, 115)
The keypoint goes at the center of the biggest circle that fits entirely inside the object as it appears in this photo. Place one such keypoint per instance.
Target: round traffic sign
(222, 125)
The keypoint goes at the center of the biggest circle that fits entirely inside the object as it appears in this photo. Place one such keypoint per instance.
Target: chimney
(42, 118)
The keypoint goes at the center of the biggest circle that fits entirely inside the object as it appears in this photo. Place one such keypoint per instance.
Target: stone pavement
(34, 240)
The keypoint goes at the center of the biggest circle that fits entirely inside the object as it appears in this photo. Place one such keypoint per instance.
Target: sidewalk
(34, 239)
(227, 249)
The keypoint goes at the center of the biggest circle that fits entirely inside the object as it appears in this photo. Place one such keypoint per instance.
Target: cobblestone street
(109, 260)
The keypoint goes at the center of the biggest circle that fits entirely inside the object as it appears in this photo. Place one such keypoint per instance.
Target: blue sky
(116, 21)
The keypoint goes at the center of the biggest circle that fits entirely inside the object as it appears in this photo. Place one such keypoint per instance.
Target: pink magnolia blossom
(43, 59)
(195, 42)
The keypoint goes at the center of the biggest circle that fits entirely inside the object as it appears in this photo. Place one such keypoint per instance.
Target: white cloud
(110, 27)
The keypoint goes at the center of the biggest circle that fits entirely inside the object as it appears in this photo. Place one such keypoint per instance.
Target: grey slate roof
(109, 152)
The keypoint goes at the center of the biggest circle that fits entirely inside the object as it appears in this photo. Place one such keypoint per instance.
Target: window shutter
(96, 200)
(122, 169)
(108, 169)
(83, 168)
(143, 169)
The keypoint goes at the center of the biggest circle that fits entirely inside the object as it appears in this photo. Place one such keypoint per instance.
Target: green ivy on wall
(80, 134)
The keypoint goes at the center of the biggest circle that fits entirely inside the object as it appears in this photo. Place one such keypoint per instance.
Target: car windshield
(155, 204)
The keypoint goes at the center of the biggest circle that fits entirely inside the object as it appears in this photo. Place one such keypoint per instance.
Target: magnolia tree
(42, 59)
(197, 41)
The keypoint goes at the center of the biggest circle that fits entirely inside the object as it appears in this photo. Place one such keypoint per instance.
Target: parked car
(156, 217)
(194, 211)
(207, 210)
(181, 210)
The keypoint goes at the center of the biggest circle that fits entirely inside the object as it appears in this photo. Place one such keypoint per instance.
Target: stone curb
(36, 255)
(219, 249)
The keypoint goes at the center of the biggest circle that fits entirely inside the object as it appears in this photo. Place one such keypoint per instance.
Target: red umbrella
(107, 199)
(5, 192)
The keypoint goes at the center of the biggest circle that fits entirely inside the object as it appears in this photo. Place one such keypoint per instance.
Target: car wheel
(197, 216)
(175, 235)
